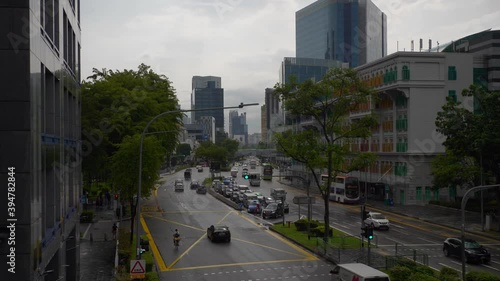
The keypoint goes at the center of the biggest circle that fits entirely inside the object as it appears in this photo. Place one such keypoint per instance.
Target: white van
(358, 272)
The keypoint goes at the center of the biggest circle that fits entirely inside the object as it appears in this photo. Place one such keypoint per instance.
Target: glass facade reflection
(40, 133)
(351, 31)
(305, 69)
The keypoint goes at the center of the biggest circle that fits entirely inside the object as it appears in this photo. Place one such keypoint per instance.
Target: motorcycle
(176, 241)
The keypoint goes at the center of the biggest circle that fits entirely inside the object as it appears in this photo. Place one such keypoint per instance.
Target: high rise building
(351, 31)
(239, 127)
(40, 139)
(232, 114)
(305, 69)
(211, 96)
(263, 123)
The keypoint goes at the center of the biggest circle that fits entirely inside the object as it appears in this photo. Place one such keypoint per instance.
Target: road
(259, 253)
(254, 253)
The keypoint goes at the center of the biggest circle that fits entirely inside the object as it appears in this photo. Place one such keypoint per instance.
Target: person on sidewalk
(114, 229)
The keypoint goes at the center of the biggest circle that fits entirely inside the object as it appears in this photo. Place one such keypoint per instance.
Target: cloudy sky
(244, 41)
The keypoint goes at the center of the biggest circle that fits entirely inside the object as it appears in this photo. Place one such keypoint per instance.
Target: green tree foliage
(117, 104)
(231, 146)
(325, 144)
(472, 137)
(125, 167)
(183, 149)
(209, 151)
(450, 169)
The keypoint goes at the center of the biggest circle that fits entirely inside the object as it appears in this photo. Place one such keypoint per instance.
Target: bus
(253, 164)
(267, 172)
(343, 189)
(254, 179)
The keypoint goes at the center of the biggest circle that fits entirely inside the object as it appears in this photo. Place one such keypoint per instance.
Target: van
(358, 272)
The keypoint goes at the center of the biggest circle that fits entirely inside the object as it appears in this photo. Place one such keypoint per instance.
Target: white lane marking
(402, 232)
(395, 225)
(445, 265)
(495, 262)
(490, 267)
(458, 263)
(430, 241)
(399, 242)
(85, 233)
(341, 225)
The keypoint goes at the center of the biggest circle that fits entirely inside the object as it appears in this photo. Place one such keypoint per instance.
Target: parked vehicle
(377, 220)
(359, 272)
(474, 252)
(219, 233)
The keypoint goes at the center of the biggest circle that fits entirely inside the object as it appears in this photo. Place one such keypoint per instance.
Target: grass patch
(338, 240)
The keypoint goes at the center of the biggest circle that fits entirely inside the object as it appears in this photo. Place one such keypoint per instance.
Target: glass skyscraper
(209, 97)
(351, 31)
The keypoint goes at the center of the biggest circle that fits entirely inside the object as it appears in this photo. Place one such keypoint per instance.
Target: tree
(183, 149)
(472, 138)
(211, 152)
(326, 143)
(125, 164)
(117, 104)
(231, 146)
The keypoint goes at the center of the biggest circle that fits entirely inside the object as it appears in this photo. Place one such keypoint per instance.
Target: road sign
(137, 269)
(303, 200)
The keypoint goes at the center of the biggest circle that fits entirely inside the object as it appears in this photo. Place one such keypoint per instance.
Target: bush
(399, 273)
(152, 276)
(320, 231)
(419, 276)
(424, 270)
(301, 225)
(481, 276)
(449, 274)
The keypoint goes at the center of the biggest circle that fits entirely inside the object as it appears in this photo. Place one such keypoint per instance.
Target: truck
(358, 272)
(187, 174)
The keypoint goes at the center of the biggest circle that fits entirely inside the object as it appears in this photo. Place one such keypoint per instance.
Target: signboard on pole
(138, 269)
(303, 200)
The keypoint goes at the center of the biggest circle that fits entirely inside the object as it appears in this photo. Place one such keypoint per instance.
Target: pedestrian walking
(115, 228)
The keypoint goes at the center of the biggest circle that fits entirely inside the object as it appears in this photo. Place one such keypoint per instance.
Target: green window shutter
(452, 94)
(406, 73)
(452, 73)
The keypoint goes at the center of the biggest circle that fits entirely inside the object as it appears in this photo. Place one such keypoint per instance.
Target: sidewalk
(97, 247)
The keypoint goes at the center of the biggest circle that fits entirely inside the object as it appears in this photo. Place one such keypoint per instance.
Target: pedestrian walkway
(97, 247)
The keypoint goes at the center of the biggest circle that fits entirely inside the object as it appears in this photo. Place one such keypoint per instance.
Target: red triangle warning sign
(138, 266)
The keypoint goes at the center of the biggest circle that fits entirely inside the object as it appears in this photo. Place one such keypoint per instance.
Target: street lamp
(464, 202)
(137, 206)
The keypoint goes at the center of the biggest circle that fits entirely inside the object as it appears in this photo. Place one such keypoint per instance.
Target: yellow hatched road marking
(156, 253)
(238, 264)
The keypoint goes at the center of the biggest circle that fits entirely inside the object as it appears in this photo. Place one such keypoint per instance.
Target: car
(474, 252)
(199, 168)
(201, 189)
(284, 205)
(377, 220)
(254, 207)
(219, 233)
(268, 200)
(179, 187)
(194, 184)
(272, 210)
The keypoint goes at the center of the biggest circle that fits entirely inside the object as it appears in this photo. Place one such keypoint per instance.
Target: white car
(377, 220)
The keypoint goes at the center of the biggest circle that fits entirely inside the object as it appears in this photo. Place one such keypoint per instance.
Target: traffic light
(369, 232)
(364, 213)
(363, 231)
(116, 196)
(245, 177)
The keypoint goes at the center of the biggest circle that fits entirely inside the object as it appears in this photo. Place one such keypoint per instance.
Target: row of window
(391, 75)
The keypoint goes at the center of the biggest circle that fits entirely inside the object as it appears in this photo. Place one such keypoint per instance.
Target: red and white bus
(343, 189)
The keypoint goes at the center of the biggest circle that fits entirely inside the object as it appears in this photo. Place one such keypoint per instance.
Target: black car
(273, 210)
(474, 252)
(194, 184)
(201, 189)
(219, 233)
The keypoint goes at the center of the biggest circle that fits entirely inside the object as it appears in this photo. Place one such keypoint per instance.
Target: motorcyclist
(177, 237)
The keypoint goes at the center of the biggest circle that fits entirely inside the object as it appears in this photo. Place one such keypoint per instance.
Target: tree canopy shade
(325, 142)
(117, 104)
(472, 139)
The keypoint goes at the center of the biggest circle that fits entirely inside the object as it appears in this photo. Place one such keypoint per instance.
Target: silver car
(377, 220)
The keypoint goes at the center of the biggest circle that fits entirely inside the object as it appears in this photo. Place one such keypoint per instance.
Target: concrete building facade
(40, 138)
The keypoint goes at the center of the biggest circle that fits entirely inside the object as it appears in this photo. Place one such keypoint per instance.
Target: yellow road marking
(279, 237)
(268, 247)
(174, 222)
(183, 254)
(237, 264)
(156, 253)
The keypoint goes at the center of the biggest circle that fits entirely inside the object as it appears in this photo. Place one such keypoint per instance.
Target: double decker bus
(267, 172)
(343, 189)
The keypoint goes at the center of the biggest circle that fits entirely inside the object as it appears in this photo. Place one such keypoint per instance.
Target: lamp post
(464, 202)
(137, 206)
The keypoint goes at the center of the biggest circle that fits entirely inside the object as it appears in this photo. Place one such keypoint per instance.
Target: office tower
(239, 127)
(232, 114)
(352, 31)
(210, 96)
(305, 69)
(40, 138)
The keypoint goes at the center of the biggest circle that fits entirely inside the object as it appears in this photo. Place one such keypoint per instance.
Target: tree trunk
(132, 220)
(326, 197)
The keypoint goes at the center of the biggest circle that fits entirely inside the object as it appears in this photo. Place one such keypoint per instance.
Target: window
(406, 73)
(452, 73)
(419, 193)
(452, 94)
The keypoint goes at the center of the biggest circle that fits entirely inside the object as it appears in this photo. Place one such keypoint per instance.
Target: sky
(244, 41)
